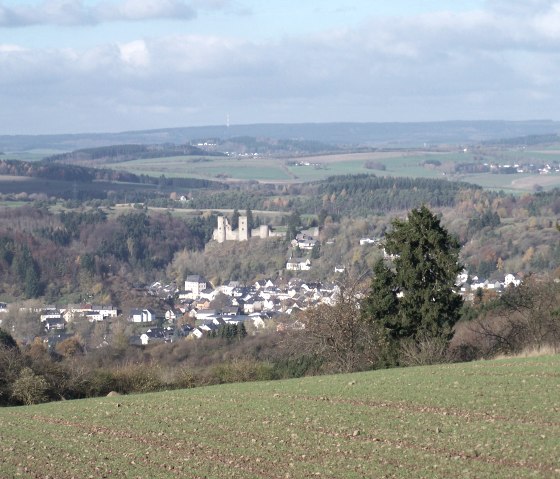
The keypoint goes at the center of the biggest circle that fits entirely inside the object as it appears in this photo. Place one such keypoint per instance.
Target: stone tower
(221, 231)
(243, 232)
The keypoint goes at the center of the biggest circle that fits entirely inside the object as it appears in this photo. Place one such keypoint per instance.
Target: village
(197, 308)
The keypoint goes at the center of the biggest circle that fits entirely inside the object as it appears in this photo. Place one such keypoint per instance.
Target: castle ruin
(224, 232)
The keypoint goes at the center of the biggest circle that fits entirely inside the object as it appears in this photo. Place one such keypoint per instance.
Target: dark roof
(195, 278)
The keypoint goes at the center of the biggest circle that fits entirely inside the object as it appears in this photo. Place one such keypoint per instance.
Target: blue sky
(114, 65)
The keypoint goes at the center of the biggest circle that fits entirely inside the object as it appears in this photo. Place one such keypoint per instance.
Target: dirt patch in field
(531, 182)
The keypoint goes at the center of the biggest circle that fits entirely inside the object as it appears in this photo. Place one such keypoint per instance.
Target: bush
(30, 388)
(423, 351)
(139, 378)
(241, 371)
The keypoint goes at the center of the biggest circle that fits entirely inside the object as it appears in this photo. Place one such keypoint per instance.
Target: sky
(71, 66)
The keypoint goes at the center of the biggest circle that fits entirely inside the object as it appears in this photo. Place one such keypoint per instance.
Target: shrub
(242, 370)
(423, 351)
(139, 378)
(30, 388)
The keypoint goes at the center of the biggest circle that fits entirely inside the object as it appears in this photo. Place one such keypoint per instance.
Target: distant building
(224, 231)
(298, 264)
(195, 284)
(142, 316)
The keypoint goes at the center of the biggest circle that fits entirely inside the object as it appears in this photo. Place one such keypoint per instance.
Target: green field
(490, 419)
(212, 167)
(403, 163)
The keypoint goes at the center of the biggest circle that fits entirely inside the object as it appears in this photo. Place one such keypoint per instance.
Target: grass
(282, 170)
(249, 168)
(409, 164)
(498, 419)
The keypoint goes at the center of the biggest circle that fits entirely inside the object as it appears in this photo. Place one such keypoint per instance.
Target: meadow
(395, 163)
(498, 419)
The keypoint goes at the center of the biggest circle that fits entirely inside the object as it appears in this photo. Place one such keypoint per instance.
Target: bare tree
(524, 317)
(337, 333)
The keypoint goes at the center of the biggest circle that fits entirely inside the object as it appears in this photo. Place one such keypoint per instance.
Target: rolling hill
(498, 419)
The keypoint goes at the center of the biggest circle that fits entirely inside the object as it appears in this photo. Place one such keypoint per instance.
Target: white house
(298, 264)
(106, 311)
(511, 280)
(367, 241)
(228, 288)
(142, 316)
(195, 284)
(95, 316)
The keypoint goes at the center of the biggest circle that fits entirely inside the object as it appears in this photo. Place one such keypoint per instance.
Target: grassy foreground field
(498, 419)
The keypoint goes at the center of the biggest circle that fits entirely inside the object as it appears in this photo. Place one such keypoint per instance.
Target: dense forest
(78, 255)
(120, 153)
(53, 171)
(350, 195)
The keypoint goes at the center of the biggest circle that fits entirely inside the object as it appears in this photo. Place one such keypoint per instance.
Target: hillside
(498, 419)
(372, 134)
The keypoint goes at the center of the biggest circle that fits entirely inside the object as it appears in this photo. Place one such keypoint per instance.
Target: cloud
(143, 10)
(135, 54)
(77, 12)
(481, 64)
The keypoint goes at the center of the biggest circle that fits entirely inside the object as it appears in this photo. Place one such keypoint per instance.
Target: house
(195, 284)
(50, 314)
(106, 311)
(76, 310)
(201, 304)
(57, 324)
(304, 241)
(258, 320)
(236, 319)
(173, 314)
(252, 304)
(142, 316)
(208, 294)
(367, 241)
(239, 292)
(511, 280)
(195, 333)
(206, 314)
(230, 311)
(263, 284)
(154, 335)
(95, 316)
(298, 264)
(228, 288)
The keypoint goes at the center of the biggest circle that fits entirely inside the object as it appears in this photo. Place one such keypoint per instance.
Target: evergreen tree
(242, 331)
(294, 224)
(235, 219)
(250, 220)
(316, 251)
(7, 340)
(417, 298)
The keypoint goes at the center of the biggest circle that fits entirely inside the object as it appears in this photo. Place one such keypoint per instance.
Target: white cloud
(135, 54)
(78, 12)
(476, 65)
(6, 48)
(144, 9)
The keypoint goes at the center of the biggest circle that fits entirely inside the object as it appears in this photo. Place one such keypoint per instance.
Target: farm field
(19, 184)
(498, 419)
(211, 167)
(405, 163)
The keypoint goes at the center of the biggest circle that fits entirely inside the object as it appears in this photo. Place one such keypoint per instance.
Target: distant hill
(363, 134)
(120, 153)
